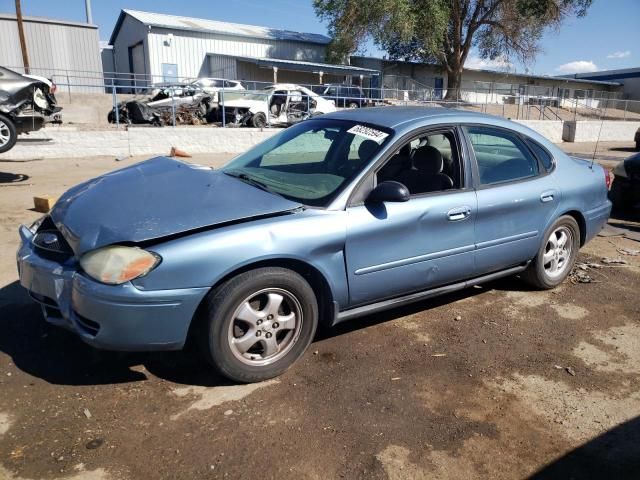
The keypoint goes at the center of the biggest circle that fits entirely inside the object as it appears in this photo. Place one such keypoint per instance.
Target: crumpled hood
(154, 199)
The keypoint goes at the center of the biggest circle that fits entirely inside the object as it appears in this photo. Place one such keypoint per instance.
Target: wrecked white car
(26, 103)
(276, 105)
(188, 103)
(213, 85)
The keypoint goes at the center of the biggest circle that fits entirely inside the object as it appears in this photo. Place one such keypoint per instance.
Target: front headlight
(117, 264)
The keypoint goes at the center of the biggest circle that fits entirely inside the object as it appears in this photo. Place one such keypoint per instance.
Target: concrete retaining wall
(607, 131)
(551, 129)
(59, 142)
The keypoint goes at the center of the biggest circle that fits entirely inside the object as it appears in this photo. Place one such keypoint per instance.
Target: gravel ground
(495, 382)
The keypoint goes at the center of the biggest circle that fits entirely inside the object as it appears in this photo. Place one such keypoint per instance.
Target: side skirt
(416, 297)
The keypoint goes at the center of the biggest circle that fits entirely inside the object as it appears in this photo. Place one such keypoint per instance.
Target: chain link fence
(129, 99)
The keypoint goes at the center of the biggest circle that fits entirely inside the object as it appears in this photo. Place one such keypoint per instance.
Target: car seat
(426, 175)
(397, 164)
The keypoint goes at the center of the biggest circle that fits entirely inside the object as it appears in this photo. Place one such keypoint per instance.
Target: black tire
(353, 105)
(259, 120)
(218, 314)
(536, 274)
(8, 134)
(638, 146)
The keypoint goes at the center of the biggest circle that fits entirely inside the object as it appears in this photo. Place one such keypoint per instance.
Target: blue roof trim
(614, 76)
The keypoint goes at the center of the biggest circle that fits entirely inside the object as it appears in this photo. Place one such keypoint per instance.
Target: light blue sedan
(336, 217)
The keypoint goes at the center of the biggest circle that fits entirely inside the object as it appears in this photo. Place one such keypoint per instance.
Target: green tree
(444, 31)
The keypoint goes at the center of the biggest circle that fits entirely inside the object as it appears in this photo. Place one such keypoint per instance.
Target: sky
(607, 38)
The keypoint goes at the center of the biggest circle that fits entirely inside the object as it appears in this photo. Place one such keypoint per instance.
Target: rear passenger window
(501, 156)
(543, 155)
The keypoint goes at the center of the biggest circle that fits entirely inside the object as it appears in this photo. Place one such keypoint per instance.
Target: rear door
(516, 198)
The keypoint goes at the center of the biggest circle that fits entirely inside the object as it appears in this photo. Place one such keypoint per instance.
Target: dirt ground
(495, 382)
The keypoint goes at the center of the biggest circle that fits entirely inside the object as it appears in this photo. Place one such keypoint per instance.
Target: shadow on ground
(624, 149)
(615, 454)
(59, 357)
(13, 177)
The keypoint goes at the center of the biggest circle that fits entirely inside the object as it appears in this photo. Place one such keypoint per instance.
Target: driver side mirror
(389, 191)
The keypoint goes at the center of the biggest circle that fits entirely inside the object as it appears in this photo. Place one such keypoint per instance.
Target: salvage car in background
(188, 102)
(281, 104)
(213, 86)
(333, 218)
(344, 96)
(26, 103)
(625, 189)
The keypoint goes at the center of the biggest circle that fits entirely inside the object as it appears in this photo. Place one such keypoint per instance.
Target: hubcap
(5, 134)
(265, 326)
(557, 252)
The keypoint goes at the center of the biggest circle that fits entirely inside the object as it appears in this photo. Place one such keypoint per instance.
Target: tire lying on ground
(8, 134)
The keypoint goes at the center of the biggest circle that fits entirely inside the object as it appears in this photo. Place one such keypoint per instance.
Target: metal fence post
(115, 104)
(173, 105)
(68, 86)
(221, 101)
(268, 110)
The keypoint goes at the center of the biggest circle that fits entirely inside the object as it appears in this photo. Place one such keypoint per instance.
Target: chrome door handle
(546, 197)
(459, 213)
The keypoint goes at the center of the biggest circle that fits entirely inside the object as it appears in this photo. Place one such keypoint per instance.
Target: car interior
(429, 163)
(298, 101)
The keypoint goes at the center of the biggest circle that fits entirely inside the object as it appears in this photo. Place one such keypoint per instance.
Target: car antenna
(595, 150)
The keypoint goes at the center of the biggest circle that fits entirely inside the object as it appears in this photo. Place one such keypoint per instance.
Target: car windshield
(310, 162)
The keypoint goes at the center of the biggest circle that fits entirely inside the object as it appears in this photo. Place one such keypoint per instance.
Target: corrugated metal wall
(188, 50)
(131, 32)
(223, 67)
(60, 51)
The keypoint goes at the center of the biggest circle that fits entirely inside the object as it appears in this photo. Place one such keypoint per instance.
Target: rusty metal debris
(581, 271)
(614, 261)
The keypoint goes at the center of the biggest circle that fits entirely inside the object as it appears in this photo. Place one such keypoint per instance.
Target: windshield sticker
(368, 132)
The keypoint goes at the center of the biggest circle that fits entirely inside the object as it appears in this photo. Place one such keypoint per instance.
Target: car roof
(396, 116)
(405, 119)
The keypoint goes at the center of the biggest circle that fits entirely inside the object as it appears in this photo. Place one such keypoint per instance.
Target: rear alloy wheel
(353, 105)
(258, 323)
(556, 257)
(8, 134)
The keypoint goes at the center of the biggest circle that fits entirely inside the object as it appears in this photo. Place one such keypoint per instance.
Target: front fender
(314, 237)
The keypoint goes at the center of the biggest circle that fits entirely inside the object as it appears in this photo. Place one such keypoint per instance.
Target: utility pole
(23, 42)
(87, 6)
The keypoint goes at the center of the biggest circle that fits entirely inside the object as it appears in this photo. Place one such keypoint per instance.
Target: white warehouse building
(156, 48)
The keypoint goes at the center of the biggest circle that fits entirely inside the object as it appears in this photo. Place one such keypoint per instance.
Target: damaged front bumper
(113, 317)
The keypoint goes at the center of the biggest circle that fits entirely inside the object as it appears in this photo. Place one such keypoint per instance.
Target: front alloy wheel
(257, 324)
(265, 326)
